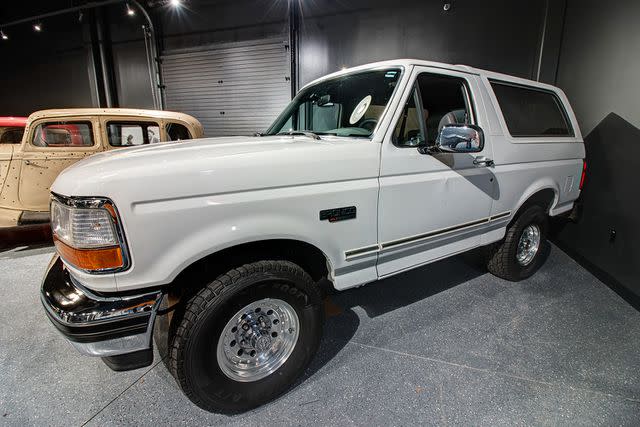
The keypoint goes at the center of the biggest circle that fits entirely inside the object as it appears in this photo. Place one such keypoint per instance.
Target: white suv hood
(217, 165)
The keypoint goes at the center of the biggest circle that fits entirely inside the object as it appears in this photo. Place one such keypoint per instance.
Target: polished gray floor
(444, 344)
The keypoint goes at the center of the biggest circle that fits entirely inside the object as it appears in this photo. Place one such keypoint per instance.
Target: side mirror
(457, 138)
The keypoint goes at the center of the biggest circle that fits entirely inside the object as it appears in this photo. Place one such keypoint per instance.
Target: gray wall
(598, 68)
(499, 35)
(600, 60)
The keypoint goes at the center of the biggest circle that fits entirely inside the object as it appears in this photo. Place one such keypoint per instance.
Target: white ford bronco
(368, 172)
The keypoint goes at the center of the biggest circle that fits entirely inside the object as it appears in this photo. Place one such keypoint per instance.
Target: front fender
(167, 236)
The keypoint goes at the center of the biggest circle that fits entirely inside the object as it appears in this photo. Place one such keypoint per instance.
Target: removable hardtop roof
(406, 63)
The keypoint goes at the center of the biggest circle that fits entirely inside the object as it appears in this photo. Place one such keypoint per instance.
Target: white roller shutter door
(233, 88)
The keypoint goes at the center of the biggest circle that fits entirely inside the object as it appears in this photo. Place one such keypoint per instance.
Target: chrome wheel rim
(258, 340)
(528, 244)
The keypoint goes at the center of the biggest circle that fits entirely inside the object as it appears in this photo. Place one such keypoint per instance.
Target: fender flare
(535, 188)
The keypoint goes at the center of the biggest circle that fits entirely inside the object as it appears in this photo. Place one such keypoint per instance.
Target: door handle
(30, 163)
(483, 161)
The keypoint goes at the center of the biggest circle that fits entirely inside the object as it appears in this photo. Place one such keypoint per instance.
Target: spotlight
(3, 35)
(37, 27)
(175, 3)
(130, 11)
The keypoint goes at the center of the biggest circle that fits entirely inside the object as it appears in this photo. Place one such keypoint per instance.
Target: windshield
(348, 105)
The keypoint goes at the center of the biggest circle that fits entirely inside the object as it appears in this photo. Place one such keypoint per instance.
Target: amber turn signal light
(90, 259)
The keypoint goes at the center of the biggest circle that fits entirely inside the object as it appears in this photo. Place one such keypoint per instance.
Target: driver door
(431, 205)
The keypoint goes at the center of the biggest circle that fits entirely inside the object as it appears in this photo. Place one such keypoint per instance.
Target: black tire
(501, 256)
(192, 351)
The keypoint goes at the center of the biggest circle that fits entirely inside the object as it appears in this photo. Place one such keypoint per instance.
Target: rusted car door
(50, 147)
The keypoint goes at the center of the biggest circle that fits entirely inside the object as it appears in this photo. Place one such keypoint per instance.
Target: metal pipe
(294, 20)
(155, 60)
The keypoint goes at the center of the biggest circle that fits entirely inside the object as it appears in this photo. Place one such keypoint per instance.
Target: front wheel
(521, 252)
(246, 337)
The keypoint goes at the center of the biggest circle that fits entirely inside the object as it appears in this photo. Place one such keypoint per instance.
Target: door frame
(454, 238)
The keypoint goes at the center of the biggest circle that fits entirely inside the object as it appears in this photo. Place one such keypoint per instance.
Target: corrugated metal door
(233, 88)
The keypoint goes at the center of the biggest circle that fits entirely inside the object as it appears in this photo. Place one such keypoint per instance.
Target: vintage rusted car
(55, 139)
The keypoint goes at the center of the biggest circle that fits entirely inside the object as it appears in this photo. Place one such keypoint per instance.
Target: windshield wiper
(301, 132)
(356, 135)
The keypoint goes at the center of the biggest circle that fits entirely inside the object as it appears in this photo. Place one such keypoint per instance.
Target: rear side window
(63, 134)
(531, 112)
(177, 132)
(127, 134)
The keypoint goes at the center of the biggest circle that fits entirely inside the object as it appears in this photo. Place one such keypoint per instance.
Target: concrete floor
(444, 344)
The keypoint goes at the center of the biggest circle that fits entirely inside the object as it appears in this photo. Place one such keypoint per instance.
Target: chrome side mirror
(457, 138)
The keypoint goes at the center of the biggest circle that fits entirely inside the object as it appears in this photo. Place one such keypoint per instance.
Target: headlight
(86, 234)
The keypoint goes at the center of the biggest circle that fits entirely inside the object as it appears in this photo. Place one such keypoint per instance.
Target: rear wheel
(245, 337)
(520, 253)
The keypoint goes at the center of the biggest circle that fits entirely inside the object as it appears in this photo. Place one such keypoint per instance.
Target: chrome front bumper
(98, 325)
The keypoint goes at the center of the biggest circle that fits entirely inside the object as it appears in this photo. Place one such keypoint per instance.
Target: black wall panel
(607, 234)
(598, 69)
(133, 83)
(43, 70)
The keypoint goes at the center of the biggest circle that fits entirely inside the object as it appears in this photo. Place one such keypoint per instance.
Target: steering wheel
(368, 124)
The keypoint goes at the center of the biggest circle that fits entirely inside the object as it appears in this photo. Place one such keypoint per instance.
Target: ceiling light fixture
(37, 27)
(175, 3)
(130, 11)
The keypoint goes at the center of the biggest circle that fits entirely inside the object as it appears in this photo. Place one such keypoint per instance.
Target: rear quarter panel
(524, 166)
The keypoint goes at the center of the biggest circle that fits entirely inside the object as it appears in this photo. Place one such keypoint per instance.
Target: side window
(11, 135)
(177, 132)
(409, 131)
(438, 100)
(153, 134)
(531, 112)
(127, 134)
(63, 134)
(445, 102)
